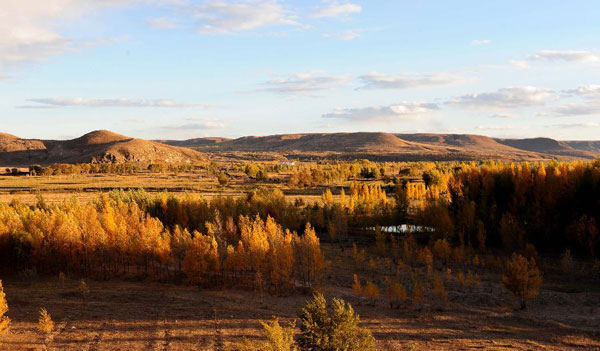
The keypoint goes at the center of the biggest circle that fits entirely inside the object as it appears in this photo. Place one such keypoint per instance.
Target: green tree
(332, 329)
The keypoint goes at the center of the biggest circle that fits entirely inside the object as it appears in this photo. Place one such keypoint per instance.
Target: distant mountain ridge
(97, 146)
(390, 146)
(106, 146)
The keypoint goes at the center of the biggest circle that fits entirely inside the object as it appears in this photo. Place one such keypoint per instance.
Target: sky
(179, 69)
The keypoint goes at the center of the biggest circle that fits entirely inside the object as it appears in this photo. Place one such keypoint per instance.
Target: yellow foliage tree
(45, 323)
(371, 291)
(522, 279)
(439, 290)
(4, 320)
(396, 294)
(418, 294)
(357, 289)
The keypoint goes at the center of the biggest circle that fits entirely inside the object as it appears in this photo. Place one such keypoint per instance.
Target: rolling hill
(400, 147)
(97, 146)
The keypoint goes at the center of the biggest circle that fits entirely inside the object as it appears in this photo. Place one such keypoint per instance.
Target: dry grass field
(86, 187)
(147, 315)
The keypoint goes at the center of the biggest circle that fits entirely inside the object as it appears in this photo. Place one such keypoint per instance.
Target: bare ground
(150, 316)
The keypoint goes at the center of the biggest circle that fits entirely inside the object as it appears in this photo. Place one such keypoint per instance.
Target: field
(129, 315)
(86, 187)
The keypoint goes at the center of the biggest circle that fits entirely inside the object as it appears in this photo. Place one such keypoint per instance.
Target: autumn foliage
(522, 278)
(118, 235)
(4, 320)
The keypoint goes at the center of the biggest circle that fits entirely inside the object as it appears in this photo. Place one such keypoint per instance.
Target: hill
(97, 146)
(549, 146)
(399, 147)
(196, 142)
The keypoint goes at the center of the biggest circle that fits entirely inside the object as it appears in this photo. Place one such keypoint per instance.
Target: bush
(45, 323)
(278, 339)
(334, 329)
(522, 279)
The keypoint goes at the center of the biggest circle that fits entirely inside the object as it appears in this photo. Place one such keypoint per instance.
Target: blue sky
(184, 68)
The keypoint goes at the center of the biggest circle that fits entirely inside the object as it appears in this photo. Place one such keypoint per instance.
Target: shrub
(333, 329)
(45, 323)
(278, 339)
(522, 279)
(222, 178)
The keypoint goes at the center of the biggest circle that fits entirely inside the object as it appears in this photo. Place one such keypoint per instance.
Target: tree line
(112, 237)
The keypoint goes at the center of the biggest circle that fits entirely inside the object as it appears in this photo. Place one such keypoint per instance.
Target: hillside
(377, 146)
(97, 146)
(388, 146)
(196, 142)
(549, 146)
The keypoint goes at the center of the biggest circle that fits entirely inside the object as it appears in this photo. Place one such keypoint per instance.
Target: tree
(309, 258)
(45, 323)
(371, 291)
(222, 178)
(278, 338)
(396, 294)
(442, 250)
(438, 289)
(4, 320)
(333, 329)
(357, 287)
(522, 279)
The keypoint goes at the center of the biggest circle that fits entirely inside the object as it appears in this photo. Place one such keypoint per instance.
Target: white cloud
(494, 127)
(336, 9)
(577, 125)
(586, 91)
(399, 111)
(225, 16)
(200, 124)
(31, 28)
(162, 23)
(578, 109)
(67, 102)
(375, 80)
(345, 35)
(503, 116)
(302, 83)
(589, 101)
(519, 64)
(480, 42)
(511, 97)
(566, 55)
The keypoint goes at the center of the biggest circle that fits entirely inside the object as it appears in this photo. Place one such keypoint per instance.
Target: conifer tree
(45, 323)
